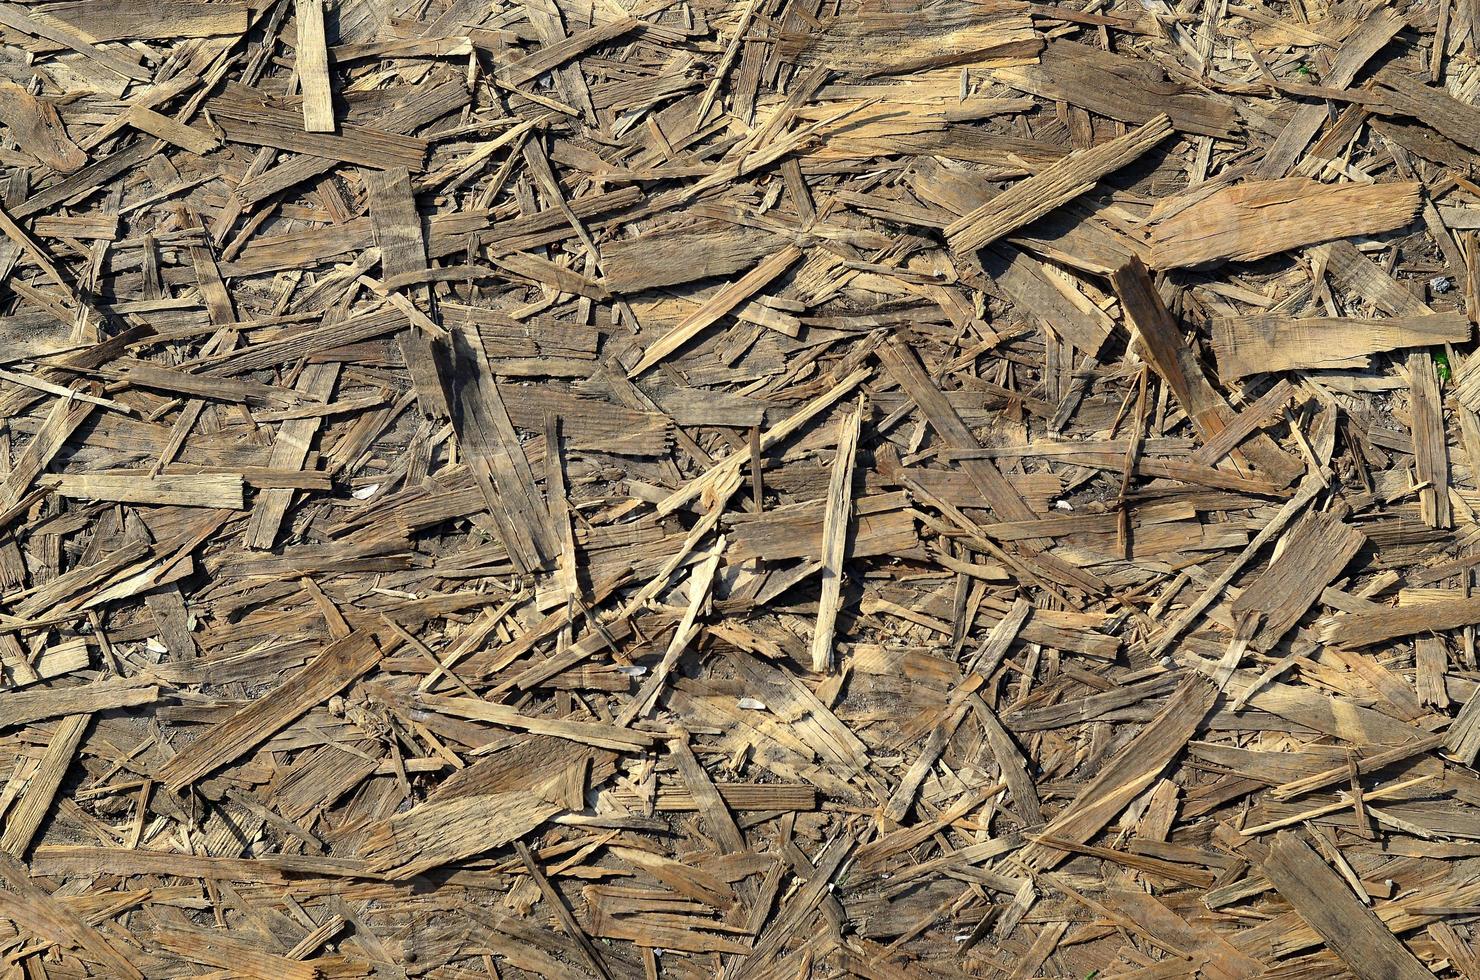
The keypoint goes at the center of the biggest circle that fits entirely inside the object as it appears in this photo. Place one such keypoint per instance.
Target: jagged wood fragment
(835, 538)
(1259, 218)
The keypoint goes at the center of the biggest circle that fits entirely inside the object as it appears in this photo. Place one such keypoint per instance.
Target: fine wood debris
(759, 489)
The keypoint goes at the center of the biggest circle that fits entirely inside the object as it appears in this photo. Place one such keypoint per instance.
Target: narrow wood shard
(715, 308)
(312, 63)
(1179, 368)
(1128, 774)
(1356, 629)
(25, 820)
(216, 490)
(1056, 184)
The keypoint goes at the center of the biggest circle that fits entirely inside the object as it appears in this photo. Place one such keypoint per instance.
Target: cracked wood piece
(700, 581)
(95, 174)
(1359, 629)
(1402, 700)
(1221, 960)
(1128, 774)
(395, 222)
(1314, 552)
(400, 236)
(993, 651)
(1357, 274)
(1431, 664)
(682, 256)
(339, 664)
(1379, 27)
(147, 374)
(902, 800)
(551, 56)
(189, 138)
(62, 421)
(439, 832)
(736, 796)
(1256, 416)
(903, 364)
(493, 452)
(888, 41)
(26, 707)
(1266, 343)
(256, 124)
(1120, 87)
(1466, 387)
(61, 924)
(275, 869)
(1011, 760)
(1432, 106)
(34, 251)
(1046, 294)
(1339, 717)
(245, 958)
(128, 20)
(215, 490)
(301, 344)
(289, 452)
(430, 102)
(1090, 708)
(600, 734)
(1056, 184)
(16, 18)
(1430, 443)
(1259, 218)
(707, 799)
(557, 493)
(1463, 737)
(728, 468)
(835, 538)
(37, 128)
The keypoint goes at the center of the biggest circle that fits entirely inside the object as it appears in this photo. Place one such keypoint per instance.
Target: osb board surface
(753, 489)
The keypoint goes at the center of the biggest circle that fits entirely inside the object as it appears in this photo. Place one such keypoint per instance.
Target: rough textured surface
(739, 488)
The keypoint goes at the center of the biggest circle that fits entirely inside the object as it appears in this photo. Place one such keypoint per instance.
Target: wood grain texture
(780, 488)
(1260, 218)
